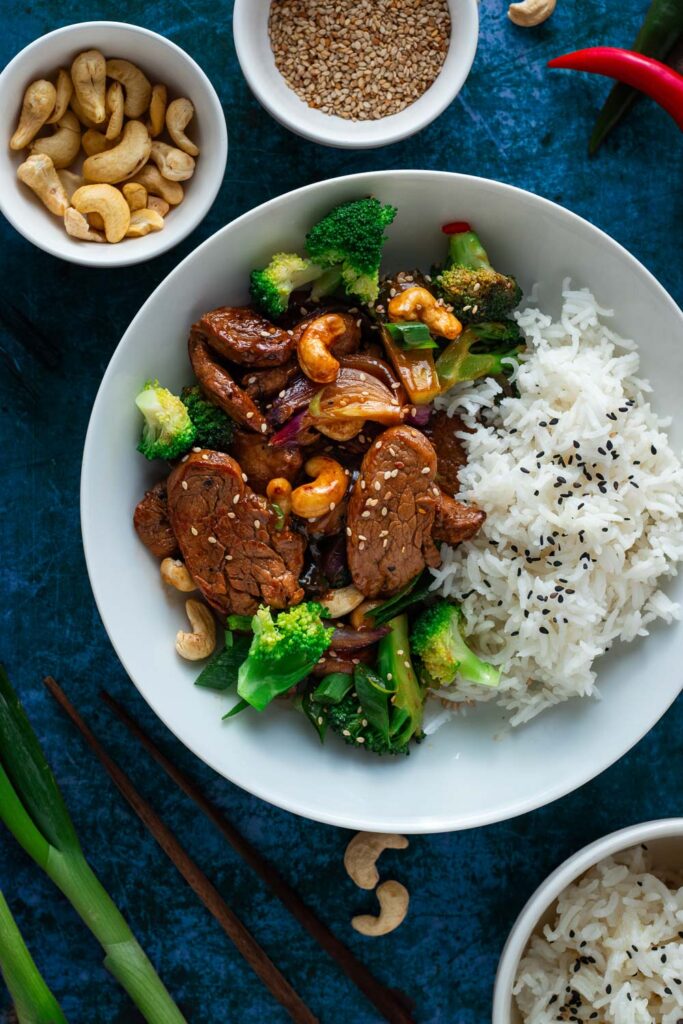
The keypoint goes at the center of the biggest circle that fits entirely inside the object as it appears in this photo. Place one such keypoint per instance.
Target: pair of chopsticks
(392, 1005)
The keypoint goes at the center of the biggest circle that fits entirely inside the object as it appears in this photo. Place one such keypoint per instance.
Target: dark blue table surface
(513, 121)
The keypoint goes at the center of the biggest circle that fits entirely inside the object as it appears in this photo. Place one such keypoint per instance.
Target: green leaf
(374, 698)
(241, 623)
(316, 714)
(333, 688)
(413, 593)
(235, 710)
(220, 673)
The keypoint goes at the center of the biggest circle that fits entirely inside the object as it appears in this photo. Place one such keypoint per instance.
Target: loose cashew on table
(360, 861)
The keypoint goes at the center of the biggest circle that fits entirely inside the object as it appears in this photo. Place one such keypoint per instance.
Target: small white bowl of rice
(602, 938)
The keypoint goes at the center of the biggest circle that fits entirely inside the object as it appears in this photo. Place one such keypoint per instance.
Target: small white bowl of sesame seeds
(355, 74)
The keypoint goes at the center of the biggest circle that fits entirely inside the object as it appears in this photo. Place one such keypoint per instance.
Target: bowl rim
(341, 133)
(295, 804)
(549, 890)
(121, 258)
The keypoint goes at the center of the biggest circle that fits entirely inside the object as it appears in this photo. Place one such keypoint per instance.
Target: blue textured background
(514, 121)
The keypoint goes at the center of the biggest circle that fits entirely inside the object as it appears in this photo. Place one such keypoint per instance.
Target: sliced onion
(296, 396)
(419, 415)
(356, 395)
(297, 432)
(376, 367)
(346, 639)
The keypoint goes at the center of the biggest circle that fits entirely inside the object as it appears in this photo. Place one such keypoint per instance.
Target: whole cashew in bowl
(136, 85)
(109, 203)
(313, 347)
(78, 227)
(135, 195)
(114, 104)
(175, 574)
(418, 304)
(363, 852)
(38, 172)
(156, 185)
(324, 492)
(39, 102)
(201, 642)
(122, 161)
(157, 204)
(89, 76)
(64, 90)
(531, 12)
(95, 142)
(71, 181)
(393, 907)
(62, 147)
(142, 222)
(179, 114)
(157, 110)
(174, 164)
(80, 113)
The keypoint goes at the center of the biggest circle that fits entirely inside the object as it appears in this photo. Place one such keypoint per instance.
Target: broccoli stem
(465, 250)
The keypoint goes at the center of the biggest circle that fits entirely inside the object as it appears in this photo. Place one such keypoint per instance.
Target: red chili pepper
(456, 227)
(657, 80)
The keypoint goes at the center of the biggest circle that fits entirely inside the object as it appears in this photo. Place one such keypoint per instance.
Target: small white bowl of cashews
(116, 144)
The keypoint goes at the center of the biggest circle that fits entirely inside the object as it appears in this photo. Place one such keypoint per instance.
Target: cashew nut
(109, 203)
(393, 907)
(70, 181)
(324, 492)
(313, 347)
(135, 195)
(172, 163)
(170, 191)
(114, 104)
(62, 147)
(362, 853)
(137, 86)
(78, 227)
(123, 160)
(80, 113)
(179, 114)
(358, 617)
(38, 172)
(142, 222)
(200, 643)
(340, 602)
(39, 102)
(531, 12)
(89, 76)
(64, 90)
(174, 572)
(157, 110)
(95, 142)
(419, 304)
(159, 206)
(279, 492)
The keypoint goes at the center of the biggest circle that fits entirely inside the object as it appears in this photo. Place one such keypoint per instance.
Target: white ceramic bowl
(162, 61)
(250, 28)
(664, 840)
(463, 776)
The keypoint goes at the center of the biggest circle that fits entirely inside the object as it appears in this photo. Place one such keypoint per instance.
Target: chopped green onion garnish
(411, 335)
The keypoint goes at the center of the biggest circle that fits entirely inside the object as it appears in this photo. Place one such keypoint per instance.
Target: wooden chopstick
(242, 938)
(392, 1005)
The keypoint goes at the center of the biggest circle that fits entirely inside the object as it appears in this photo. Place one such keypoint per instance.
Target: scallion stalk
(33, 1001)
(33, 809)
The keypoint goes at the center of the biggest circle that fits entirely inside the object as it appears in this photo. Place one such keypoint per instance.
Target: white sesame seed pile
(359, 59)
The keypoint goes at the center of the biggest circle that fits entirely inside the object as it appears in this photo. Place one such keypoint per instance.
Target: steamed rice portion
(623, 926)
(584, 498)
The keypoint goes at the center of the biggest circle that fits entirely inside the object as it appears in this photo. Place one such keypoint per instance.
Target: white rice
(576, 539)
(623, 926)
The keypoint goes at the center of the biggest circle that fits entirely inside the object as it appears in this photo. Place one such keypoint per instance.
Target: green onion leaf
(411, 336)
(220, 673)
(333, 688)
(414, 592)
(33, 1001)
(374, 698)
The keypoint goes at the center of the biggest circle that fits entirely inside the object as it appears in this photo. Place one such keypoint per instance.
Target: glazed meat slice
(269, 383)
(228, 539)
(391, 513)
(450, 451)
(220, 388)
(262, 462)
(455, 522)
(240, 335)
(152, 523)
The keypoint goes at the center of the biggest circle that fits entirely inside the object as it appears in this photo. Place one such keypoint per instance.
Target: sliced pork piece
(455, 522)
(269, 383)
(261, 462)
(152, 523)
(240, 335)
(450, 451)
(228, 539)
(220, 388)
(391, 513)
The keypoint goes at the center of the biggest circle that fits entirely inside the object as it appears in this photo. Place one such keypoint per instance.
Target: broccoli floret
(168, 431)
(282, 653)
(351, 237)
(272, 287)
(471, 286)
(214, 427)
(480, 351)
(438, 639)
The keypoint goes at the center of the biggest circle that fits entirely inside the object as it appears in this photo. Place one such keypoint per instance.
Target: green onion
(410, 336)
(33, 1001)
(333, 688)
(33, 809)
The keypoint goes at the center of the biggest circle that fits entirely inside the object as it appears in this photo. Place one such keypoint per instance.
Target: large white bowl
(464, 775)
(255, 54)
(162, 61)
(664, 841)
